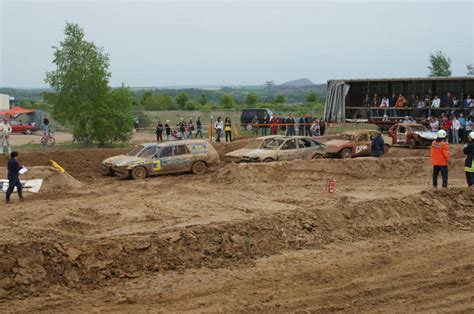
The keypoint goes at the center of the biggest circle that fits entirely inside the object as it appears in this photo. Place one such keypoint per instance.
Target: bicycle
(48, 139)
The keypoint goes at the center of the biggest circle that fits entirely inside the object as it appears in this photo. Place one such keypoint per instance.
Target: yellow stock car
(154, 159)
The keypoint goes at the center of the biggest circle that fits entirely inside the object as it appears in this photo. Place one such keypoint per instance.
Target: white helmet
(471, 136)
(441, 134)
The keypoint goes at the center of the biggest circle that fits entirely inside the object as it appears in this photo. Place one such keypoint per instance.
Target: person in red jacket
(439, 156)
(446, 125)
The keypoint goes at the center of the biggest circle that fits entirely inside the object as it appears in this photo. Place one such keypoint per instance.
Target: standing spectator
(377, 145)
(446, 126)
(435, 104)
(45, 125)
(182, 128)
(434, 124)
(219, 126)
(159, 132)
(322, 126)
(467, 103)
(384, 104)
(199, 127)
(469, 125)
(136, 123)
(469, 162)
(308, 121)
(274, 125)
(14, 177)
(301, 127)
(168, 130)
(400, 104)
(190, 128)
(228, 129)
(315, 128)
(462, 128)
(439, 156)
(290, 125)
(265, 123)
(255, 125)
(455, 126)
(5, 131)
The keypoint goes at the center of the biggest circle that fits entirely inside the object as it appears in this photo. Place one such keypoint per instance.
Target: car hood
(239, 152)
(426, 134)
(261, 153)
(123, 160)
(333, 146)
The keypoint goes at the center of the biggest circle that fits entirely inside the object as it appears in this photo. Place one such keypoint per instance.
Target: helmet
(441, 134)
(471, 136)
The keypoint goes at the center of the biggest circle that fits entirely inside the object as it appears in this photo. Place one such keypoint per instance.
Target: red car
(25, 128)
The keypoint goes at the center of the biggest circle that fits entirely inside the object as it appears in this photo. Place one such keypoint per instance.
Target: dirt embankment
(29, 268)
(82, 164)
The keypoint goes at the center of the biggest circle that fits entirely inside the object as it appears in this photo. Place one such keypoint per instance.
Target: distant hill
(297, 83)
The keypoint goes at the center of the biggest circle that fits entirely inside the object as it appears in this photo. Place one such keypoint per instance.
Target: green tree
(81, 97)
(181, 100)
(203, 99)
(470, 69)
(439, 64)
(280, 99)
(226, 101)
(251, 99)
(310, 97)
(190, 105)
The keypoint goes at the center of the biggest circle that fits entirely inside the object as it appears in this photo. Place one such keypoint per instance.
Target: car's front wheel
(318, 156)
(346, 153)
(268, 160)
(412, 143)
(138, 173)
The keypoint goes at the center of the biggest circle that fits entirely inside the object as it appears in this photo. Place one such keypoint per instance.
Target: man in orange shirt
(439, 159)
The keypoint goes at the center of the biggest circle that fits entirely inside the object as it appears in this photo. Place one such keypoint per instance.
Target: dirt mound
(358, 168)
(53, 180)
(82, 164)
(224, 148)
(28, 268)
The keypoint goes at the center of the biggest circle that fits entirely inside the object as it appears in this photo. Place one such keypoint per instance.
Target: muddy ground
(247, 237)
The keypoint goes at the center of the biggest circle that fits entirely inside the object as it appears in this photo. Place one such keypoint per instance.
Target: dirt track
(243, 238)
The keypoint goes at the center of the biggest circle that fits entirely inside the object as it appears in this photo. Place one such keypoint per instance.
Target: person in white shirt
(5, 131)
(456, 125)
(435, 103)
(219, 126)
(434, 124)
(384, 104)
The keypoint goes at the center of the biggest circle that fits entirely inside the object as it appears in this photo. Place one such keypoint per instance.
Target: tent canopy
(16, 111)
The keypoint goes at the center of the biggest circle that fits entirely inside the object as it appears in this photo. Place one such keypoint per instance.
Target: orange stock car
(354, 144)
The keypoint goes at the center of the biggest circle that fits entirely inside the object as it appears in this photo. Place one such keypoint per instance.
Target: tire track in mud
(30, 268)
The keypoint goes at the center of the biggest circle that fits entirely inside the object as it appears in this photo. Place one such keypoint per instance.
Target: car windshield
(135, 151)
(348, 137)
(273, 143)
(419, 128)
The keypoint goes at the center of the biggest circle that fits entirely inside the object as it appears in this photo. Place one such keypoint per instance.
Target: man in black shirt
(14, 177)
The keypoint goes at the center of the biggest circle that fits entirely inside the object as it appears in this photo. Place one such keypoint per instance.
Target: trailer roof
(443, 78)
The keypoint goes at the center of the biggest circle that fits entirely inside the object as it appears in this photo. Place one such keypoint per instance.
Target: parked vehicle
(249, 114)
(411, 135)
(25, 128)
(154, 159)
(286, 148)
(354, 144)
(256, 143)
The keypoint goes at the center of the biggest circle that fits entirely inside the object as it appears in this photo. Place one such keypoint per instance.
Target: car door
(363, 143)
(288, 150)
(162, 161)
(401, 134)
(307, 148)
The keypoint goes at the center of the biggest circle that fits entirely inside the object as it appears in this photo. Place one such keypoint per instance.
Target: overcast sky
(156, 43)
